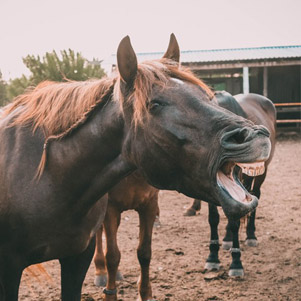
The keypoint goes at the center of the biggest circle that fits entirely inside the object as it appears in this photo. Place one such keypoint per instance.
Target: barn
(274, 72)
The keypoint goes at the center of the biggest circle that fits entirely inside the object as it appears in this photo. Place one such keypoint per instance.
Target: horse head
(178, 137)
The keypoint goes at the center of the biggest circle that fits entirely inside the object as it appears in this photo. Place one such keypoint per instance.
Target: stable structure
(274, 72)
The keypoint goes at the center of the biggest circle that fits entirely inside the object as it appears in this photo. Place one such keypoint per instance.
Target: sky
(95, 27)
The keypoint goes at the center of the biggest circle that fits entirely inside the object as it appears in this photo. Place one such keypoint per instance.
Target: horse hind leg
(192, 210)
(73, 272)
(111, 224)
(100, 278)
(212, 262)
(157, 223)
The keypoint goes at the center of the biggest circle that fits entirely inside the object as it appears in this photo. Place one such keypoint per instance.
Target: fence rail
(288, 107)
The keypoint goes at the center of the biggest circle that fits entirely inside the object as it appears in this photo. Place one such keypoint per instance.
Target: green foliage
(3, 96)
(70, 66)
(17, 86)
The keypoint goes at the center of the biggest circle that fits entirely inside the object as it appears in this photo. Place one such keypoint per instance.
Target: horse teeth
(253, 169)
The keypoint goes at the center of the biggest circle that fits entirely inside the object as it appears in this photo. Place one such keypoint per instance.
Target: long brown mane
(59, 108)
(55, 107)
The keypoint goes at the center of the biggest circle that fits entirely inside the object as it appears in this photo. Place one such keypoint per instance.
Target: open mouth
(227, 179)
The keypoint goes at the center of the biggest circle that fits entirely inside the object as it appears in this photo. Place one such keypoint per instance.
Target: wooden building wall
(283, 85)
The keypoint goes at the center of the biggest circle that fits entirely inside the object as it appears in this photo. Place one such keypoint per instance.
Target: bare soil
(180, 248)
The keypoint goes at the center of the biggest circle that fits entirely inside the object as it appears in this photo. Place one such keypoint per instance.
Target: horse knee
(113, 258)
(144, 256)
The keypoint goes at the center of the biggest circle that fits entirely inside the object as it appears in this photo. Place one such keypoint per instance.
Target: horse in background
(133, 192)
(65, 145)
(261, 111)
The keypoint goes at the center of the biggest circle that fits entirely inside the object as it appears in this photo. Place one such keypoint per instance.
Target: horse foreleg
(236, 268)
(212, 262)
(111, 224)
(251, 240)
(253, 186)
(192, 210)
(73, 272)
(99, 261)
(144, 251)
(228, 239)
(10, 277)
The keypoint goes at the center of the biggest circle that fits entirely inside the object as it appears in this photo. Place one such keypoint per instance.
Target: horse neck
(90, 158)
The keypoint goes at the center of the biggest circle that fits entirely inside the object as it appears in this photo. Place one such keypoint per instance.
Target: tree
(17, 86)
(3, 96)
(70, 66)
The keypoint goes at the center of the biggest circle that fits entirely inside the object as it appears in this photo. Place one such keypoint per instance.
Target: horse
(133, 192)
(261, 111)
(65, 145)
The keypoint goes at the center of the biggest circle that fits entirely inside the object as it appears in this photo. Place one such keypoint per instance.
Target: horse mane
(56, 106)
(60, 108)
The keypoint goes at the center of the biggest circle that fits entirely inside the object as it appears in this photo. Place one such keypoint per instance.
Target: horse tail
(36, 271)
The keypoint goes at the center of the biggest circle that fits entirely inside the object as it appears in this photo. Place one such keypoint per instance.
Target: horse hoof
(210, 266)
(227, 245)
(190, 212)
(251, 242)
(236, 273)
(100, 280)
(119, 276)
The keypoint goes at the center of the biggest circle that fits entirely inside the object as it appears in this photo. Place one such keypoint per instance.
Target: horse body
(261, 111)
(64, 145)
(133, 192)
(63, 164)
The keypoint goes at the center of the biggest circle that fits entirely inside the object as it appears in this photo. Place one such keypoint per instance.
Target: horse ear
(173, 50)
(126, 61)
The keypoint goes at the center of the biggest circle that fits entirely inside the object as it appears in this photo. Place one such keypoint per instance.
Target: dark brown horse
(64, 145)
(261, 111)
(131, 193)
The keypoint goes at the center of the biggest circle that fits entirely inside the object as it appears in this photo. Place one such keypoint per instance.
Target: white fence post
(246, 88)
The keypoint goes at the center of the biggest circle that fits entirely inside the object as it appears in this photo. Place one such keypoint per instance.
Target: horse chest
(65, 235)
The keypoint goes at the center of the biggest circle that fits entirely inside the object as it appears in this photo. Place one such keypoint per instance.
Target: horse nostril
(241, 136)
(237, 136)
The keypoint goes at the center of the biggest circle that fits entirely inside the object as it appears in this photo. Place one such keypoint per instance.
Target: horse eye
(155, 105)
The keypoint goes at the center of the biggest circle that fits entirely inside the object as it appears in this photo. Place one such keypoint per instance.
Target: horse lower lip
(228, 183)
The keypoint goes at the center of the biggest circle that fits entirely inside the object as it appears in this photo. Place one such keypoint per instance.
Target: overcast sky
(95, 27)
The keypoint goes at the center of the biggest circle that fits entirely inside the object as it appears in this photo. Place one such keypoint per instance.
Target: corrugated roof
(234, 54)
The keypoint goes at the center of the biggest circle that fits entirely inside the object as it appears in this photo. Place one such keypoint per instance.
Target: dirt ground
(180, 248)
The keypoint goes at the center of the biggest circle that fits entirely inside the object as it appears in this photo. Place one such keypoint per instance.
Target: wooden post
(265, 81)
(245, 73)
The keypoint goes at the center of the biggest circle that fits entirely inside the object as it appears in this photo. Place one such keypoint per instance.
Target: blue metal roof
(234, 54)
